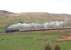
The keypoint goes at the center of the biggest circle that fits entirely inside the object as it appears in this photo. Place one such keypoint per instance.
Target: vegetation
(31, 40)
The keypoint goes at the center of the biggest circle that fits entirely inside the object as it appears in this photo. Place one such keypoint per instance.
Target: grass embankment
(31, 41)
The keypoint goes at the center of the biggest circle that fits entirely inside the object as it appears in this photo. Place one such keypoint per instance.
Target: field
(32, 40)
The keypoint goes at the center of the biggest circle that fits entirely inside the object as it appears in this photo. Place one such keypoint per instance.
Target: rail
(47, 29)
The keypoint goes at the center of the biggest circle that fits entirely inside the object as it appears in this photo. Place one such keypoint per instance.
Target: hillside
(7, 13)
(31, 16)
(7, 17)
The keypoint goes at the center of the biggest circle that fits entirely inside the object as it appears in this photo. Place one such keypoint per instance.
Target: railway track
(48, 29)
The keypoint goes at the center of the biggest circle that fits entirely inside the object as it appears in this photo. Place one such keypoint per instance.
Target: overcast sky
(51, 6)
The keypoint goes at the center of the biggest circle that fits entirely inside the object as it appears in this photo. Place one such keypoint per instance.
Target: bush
(48, 47)
(57, 47)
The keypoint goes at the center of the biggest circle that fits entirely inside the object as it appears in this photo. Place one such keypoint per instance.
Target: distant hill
(33, 16)
(7, 13)
(44, 16)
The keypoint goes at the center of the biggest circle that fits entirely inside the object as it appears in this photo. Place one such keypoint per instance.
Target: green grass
(30, 41)
(2, 29)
